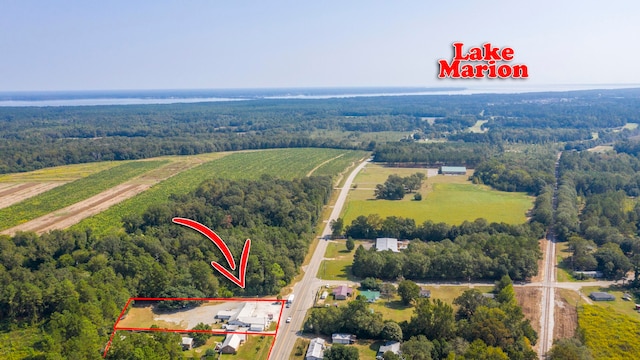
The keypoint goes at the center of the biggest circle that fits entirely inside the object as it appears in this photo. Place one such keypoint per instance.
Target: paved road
(305, 289)
(549, 278)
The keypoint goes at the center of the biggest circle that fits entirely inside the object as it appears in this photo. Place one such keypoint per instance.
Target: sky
(210, 44)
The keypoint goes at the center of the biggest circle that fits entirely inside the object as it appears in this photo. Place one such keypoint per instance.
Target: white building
(247, 316)
(383, 244)
(315, 350)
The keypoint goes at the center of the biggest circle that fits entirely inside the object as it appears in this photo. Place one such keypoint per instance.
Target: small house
(232, 343)
(315, 350)
(601, 296)
(371, 296)
(453, 170)
(383, 244)
(345, 339)
(392, 346)
(425, 293)
(187, 343)
(342, 292)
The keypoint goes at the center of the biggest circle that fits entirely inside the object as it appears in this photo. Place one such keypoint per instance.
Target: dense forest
(597, 213)
(73, 285)
(38, 137)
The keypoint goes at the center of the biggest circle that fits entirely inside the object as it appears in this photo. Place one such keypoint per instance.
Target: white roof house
(341, 338)
(315, 350)
(392, 346)
(187, 343)
(383, 244)
(231, 343)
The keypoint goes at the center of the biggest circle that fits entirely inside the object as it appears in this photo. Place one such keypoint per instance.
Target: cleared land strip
(11, 193)
(70, 215)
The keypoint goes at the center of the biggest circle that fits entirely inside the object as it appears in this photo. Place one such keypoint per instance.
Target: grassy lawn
(340, 267)
(367, 349)
(70, 193)
(300, 347)
(256, 348)
(142, 317)
(393, 310)
(335, 269)
(618, 305)
(563, 274)
(450, 199)
(198, 352)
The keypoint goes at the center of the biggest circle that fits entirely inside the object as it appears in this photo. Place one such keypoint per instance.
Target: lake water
(142, 97)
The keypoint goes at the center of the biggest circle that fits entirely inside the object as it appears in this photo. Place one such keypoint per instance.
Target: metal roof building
(453, 170)
(315, 350)
(383, 244)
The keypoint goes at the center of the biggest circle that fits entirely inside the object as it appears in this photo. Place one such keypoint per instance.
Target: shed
(601, 296)
(315, 350)
(225, 314)
(345, 339)
(425, 293)
(383, 244)
(342, 292)
(231, 343)
(371, 296)
(591, 274)
(453, 170)
(187, 343)
(392, 346)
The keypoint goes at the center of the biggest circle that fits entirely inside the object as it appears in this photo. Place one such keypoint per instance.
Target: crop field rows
(72, 192)
(282, 163)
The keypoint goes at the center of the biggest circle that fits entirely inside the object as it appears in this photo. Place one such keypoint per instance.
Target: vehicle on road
(289, 319)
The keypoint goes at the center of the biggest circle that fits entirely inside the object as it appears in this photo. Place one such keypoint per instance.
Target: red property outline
(213, 331)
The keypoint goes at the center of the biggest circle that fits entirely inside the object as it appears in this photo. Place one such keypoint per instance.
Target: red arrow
(240, 280)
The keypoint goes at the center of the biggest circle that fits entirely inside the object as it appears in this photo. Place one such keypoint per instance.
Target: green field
(340, 267)
(282, 163)
(339, 164)
(70, 193)
(449, 199)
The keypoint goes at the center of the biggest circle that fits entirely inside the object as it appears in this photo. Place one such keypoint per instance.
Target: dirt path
(324, 162)
(66, 217)
(11, 193)
(70, 215)
(566, 319)
(529, 300)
